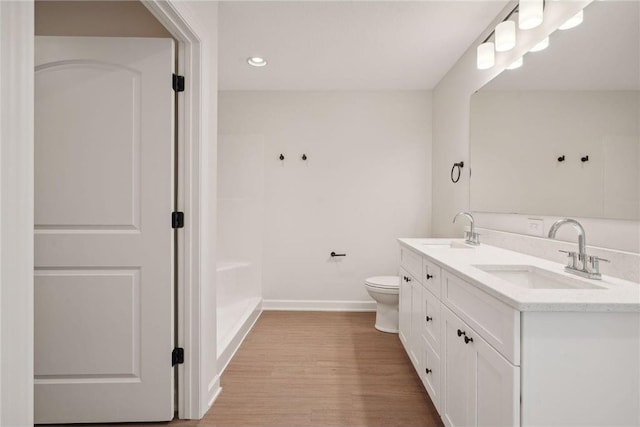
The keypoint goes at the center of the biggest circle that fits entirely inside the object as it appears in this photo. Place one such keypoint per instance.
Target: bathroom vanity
(501, 338)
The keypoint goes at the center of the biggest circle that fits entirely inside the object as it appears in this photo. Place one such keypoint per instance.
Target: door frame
(195, 393)
(198, 379)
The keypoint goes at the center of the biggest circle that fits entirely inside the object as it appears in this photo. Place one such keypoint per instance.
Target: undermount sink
(531, 277)
(447, 245)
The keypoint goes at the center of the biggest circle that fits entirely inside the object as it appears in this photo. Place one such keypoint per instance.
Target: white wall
(451, 108)
(366, 182)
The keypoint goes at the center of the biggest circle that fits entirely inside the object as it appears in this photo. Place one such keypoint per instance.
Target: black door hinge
(177, 356)
(177, 220)
(178, 83)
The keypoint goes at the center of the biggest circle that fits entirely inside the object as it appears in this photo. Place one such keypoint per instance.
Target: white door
(103, 239)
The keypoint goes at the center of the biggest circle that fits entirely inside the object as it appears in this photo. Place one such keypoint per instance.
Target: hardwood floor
(319, 369)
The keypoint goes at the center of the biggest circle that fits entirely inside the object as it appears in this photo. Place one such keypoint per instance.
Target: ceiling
(346, 45)
(602, 53)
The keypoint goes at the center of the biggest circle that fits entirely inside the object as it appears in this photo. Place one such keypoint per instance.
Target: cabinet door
(404, 320)
(416, 324)
(431, 373)
(497, 386)
(457, 403)
(431, 319)
(481, 387)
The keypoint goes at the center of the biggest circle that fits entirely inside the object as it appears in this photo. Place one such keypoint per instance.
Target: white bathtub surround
(623, 265)
(356, 192)
(238, 308)
(239, 231)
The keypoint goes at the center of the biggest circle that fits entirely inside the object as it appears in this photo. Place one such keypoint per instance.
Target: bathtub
(238, 305)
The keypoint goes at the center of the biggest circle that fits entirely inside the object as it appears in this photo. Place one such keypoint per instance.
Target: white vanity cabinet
(490, 360)
(469, 381)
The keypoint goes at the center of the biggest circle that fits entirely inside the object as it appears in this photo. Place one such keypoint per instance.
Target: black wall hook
(561, 158)
(584, 159)
(281, 157)
(304, 157)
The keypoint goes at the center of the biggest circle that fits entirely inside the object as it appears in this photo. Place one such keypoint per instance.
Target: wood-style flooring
(319, 369)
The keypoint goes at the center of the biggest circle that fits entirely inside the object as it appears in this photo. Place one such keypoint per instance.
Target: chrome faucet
(580, 263)
(470, 237)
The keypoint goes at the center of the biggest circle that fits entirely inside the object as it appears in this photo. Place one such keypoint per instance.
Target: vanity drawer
(432, 277)
(412, 262)
(492, 319)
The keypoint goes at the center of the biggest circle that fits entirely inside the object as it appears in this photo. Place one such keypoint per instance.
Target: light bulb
(486, 56)
(542, 45)
(516, 64)
(505, 36)
(574, 21)
(530, 13)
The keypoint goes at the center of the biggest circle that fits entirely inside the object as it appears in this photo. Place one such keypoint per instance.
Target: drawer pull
(429, 276)
(461, 333)
(428, 319)
(428, 371)
(467, 340)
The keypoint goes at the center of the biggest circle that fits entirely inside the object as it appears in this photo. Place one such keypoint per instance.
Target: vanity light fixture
(516, 64)
(530, 13)
(540, 46)
(256, 61)
(505, 36)
(486, 56)
(574, 21)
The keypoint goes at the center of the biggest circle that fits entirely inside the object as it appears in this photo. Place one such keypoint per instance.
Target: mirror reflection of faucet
(580, 264)
(470, 237)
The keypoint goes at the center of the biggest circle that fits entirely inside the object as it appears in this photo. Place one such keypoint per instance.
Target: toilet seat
(383, 282)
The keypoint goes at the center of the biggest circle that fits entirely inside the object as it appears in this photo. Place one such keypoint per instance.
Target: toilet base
(387, 318)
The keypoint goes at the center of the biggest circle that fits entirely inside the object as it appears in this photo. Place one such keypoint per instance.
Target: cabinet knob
(467, 340)
(428, 371)
(429, 276)
(428, 319)
(461, 333)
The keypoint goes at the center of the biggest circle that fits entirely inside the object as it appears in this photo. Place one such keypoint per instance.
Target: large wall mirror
(560, 135)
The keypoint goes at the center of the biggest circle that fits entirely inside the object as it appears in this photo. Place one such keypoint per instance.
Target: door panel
(102, 170)
(104, 243)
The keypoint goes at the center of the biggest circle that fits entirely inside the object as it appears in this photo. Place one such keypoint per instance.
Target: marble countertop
(614, 295)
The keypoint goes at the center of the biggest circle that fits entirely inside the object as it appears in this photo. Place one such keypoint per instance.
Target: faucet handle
(572, 258)
(594, 263)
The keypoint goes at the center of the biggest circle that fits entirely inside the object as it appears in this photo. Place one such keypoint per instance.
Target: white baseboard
(313, 305)
(227, 354)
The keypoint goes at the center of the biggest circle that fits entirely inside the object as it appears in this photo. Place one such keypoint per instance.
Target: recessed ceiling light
(256, 61)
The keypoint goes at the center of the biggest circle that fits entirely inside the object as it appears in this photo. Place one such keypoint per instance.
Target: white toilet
(385, 290)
